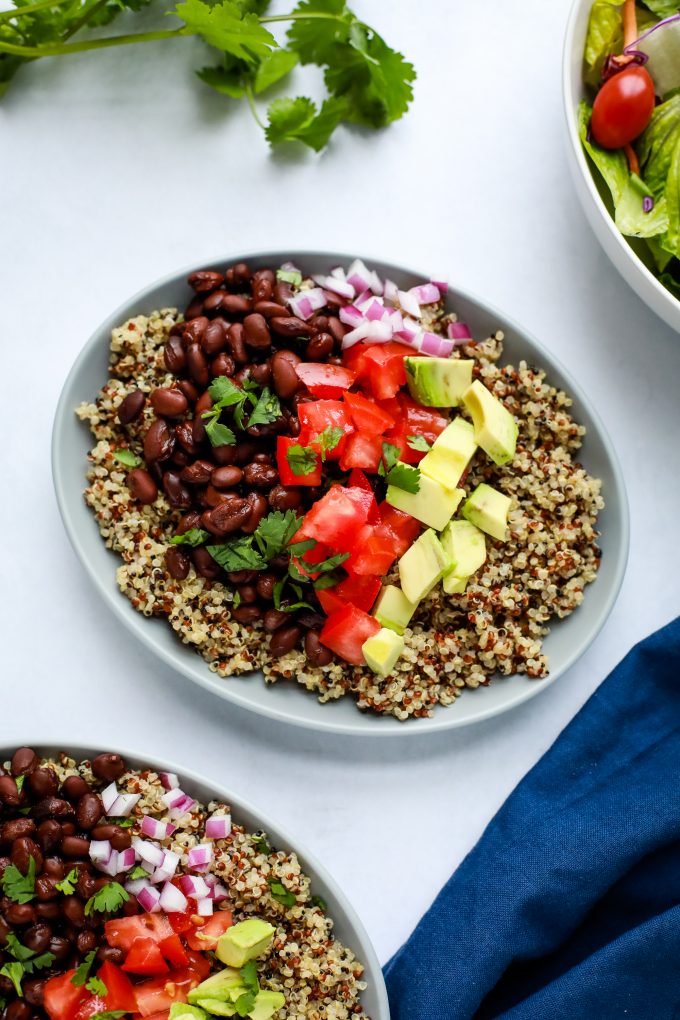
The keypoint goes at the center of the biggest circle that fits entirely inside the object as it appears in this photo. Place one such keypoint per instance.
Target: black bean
(177, 494)
(75, 787)
(274, 618)
(108, 767)
(247, 614)
(43, 782)
(198, 366)
(131, 407)
(169, 402)
(24, 760)
(284, 640)
(178, 562)
(142, 486)
(256, 332)
(205, 280)
(317, 654)
(174, 355)
(205, 565)
(283, 497)
(284, 376)
(289, 326)
(159, 442)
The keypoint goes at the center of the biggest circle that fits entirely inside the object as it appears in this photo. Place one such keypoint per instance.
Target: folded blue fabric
(569, 905)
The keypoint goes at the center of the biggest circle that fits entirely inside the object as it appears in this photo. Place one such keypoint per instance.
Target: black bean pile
(237, 325)
(52, 823)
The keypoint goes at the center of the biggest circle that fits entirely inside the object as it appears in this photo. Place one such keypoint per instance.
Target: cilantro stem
(91, 44)
(83, 20)
(248, 89)
(309, 16)
(20, 12)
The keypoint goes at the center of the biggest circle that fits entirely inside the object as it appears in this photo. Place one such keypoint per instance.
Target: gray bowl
(347, 926)
(288, 702)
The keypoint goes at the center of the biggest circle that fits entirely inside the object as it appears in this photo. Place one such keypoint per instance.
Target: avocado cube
(183, 1011)
(393, 609)
(465, 545)
(217, 1007)
(433, 504)
(245, 941)
(422, 566)
(487, 508)
(451, 453)
(217, 986)
(382, 650)
(495, 427)
(438, 382)
(266, 1004)
(453, 585)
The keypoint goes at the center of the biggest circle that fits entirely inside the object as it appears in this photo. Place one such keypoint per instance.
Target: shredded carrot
(631, 156)
(630, 30)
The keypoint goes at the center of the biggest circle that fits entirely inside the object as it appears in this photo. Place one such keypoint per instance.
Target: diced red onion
(194, 886)
(200, 855)
(204, 907)
(409, 332)
(157, 830)
(183, 808)
(436, 346)
(458, 331)
(126, 859)
(218, 827)
(123, 804)
(336, 286)
(426, 293)
(306, 302)
(375, 311)
(647, 204)
(376, 284)
(149, 899)
(148, 851)
(219, 893)
(109, 796)
(355, 335)
(390, 291)
(148, 866)
(442, 286)
(169, 780)
(359, 276)
(379, 332)
(396, 320)
(362, 298)
(167, 868)
(100, 851)
(172, 899)
(409, 303)
(350, 315)
(338, 272)
(173, 797)
(135, 885)
(110, 867)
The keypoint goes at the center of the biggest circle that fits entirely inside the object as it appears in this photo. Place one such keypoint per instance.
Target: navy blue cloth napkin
(569, 905)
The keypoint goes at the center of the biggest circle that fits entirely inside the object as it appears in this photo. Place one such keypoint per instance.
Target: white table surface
(118, 168)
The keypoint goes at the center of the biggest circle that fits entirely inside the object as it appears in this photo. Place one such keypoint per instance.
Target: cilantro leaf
(327, 580)
(278, 591)
(39, 962)
(67, 886)
(193, 537)
(418, 443)
(238, 554)
(272, 68)
(108, 899)
(218, 434)
(228, 81)
(331, 563)
(317, 132)
(224, 26)
(289, 276)
(82, 973)
(225, 392)
(262, 844)
(315, 40)
(249, 976)
(374, 79)
(288, 117)
(329, 439)
(20, 780)
(405, 477)
(281, 894)
(15, 948)
(302, 460)
(127, 457)
(303, 546)
(15, 972)
(97, 987)
(138, 872)
(266, 410)
(318, 901)
(245, 1003)
(390, 456)
(20, 888)
(275, 531)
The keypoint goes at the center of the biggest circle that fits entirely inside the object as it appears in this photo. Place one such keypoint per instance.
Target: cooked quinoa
(320, 978)
(454, 641)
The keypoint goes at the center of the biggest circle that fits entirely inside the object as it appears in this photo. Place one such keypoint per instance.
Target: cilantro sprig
(302, 460)
(281, 894)
(367, 82)
(20, 888)
(107, 900)
(67, 886)
(25, 962)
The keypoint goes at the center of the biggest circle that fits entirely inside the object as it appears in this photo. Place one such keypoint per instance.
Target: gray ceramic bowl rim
(662, 293)
(364, 726)
(361, 944)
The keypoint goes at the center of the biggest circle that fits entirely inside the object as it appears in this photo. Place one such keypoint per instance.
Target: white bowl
(346, 925)
(620, 250)
(288, 701)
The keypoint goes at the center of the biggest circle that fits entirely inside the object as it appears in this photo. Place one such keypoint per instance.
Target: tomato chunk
(358, 479)
(337, 516)
(345, 632)
(404, 527)
(421, 421)
(325, 380)
(362, 451)
(173, 951)
(386, 372)
(322, 414)
(144, 957)
(206, 935)
(122, 931)
(330, 601)
(90, 1006)
(62, 998)
(367, 415)
(360, 591)
(287, 475)
(120, 990)
(375, 551)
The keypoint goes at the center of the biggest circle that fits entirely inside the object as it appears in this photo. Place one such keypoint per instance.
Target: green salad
(631, 128)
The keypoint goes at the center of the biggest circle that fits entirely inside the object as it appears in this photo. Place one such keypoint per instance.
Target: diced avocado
(183, 1011)
(453, 585)
(382, 650)
(245, 941)
(433, 504)
(422, 566)
(393, 609)
(217, 986)
(266, 1004)
(450, 454)
(438, 382)
(465, 545)
(495, 427)
(217, 1007)
(487, 508)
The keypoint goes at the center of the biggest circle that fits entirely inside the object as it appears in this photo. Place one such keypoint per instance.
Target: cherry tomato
(623, 108)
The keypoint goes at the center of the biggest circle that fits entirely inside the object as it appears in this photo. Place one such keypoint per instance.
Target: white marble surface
(118, 168)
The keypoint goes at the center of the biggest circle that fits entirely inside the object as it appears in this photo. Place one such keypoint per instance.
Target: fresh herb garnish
(289, 607)
(289, 275)
(246, 1001)
(281, 894)
(20, 780)
(217, 433)
(20, 888)
(266, 410)
(83, 969)
(108, 899)
(67, 886)
(390, 456)
(238, 554)
(419, 443)
(262, 844)
(405, 477)
(127, 457)
(15, 972)
(302, 460)
(138, 872)
(275, 531)
(328, 580)
(193, 537)
(97, 987)
(25, 962)
(329, 439)
(319, 901)
(123, 823)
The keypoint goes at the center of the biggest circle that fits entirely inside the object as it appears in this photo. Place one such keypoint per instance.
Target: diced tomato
(360, 591)
(421, 421)
(317, 554)
(89, 1007)
(330, 601)
(345, 632)
(144, 957)
(199, 964)
(173, 951)
(367, 415)
(181, 921)
(159, 993)
(206, 935)
(336, 518)
(324, 380)
(358, 479)
(405, 528)
(392, 407)
(122, 931)
(374, 552)
(120, 993)
(286, 474)
(62, 998)
(386, 372)
(362, 451)
(354, 358)
(322, 414)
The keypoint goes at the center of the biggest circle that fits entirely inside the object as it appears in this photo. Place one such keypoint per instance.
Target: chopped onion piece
(173, 797)
(109, 797)
(409, 332)
(306, 302)
(426, 293)
(219, 892)
(200, 855)
(172, 899)
(376, 310)
(458, 331)
(204, 907)
(123, 804)
(390, 291)
(149, 899)
(195, 887)
(157, 830)
(350, 315)
(363, 297)
(135, 885)
(100, 851)
(110, 867)
(442, 286)
(436, 346)
(359, 276)
(338, 273)
(409, 303)
(169, 780)
(148, 851)
(661, 45)
(355, 335)
(376, 284)
(126, 859)
(336, 286)
(186, 805)
(167, 868)
(217, 827)
(396, 320)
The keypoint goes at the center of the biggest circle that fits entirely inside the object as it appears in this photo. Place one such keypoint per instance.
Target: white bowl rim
(662, 293)
(363, 950)
(365, 726)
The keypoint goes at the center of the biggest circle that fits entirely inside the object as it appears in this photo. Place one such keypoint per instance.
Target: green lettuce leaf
(671, 283)
(671, 240)
(627, 190)
(662, 8)
(657, 143)
(604, 36)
